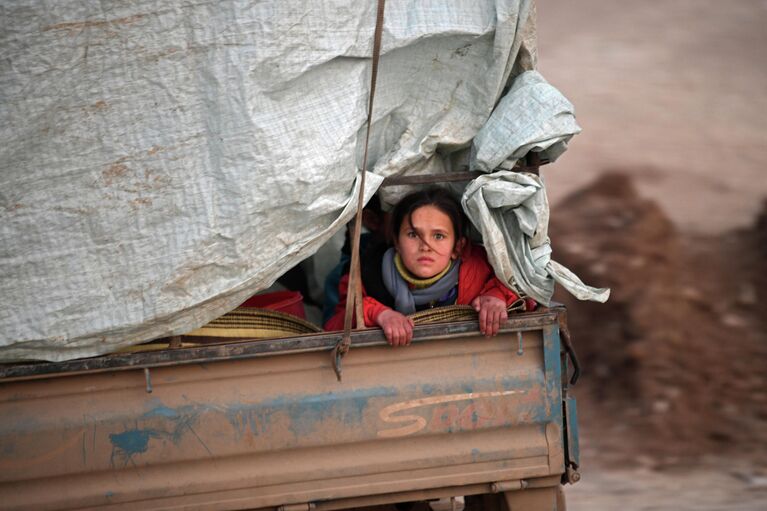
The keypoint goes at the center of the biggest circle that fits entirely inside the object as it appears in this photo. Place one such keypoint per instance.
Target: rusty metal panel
(573, 447)
(278, 430)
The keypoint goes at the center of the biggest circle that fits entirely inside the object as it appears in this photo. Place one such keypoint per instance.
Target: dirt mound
(674, 363)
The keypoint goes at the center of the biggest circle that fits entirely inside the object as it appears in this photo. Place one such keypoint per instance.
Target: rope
(354, 294)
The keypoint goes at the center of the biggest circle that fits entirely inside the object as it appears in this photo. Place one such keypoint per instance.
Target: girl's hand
(396, 326)
(492, 313)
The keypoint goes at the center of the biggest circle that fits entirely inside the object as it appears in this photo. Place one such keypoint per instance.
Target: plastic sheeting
(511, 211)
(160, 162)
(532, 116)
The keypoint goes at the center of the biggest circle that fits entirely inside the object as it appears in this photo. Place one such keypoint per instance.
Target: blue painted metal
(573, 447)
(552, 363)
(271, 423)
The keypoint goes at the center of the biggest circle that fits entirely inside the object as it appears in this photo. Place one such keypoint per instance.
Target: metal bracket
(297, 507)
(568, 344)
(337, 355)
(572, 475)
(148, 378)
(504, 486)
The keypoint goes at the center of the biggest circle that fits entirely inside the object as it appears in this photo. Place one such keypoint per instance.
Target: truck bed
(262, 424)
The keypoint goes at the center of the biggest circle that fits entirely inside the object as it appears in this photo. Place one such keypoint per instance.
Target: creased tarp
(160, 162)
(511, 211)
(531, 116)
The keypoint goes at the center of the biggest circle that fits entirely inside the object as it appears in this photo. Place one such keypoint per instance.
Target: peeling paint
(306, 411)
(190, 422)
(162, 411)
(132, 442)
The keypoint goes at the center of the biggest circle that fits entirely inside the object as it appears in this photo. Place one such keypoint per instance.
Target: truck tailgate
(447, 411)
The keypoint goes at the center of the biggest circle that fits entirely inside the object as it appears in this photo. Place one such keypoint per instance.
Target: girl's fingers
(503, 317)
(389, 333)
(399, 331)
(500, 319)
(491, 316)
(402, 335)
(395, 336)
(398, 335)
(483, 321)
(408, 331)
(496, 322)
(493, 323)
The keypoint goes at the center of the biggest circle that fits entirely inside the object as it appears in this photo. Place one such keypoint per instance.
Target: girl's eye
(439, 236)
(411, 234)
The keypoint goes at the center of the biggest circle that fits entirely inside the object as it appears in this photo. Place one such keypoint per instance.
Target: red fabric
(475, 278)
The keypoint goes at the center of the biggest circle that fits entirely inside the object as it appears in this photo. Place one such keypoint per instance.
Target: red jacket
(475, 278)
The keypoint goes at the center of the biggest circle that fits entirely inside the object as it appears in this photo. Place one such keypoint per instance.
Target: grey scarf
(406, 299)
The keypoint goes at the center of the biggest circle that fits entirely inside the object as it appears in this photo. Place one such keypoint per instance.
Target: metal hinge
(513, 485)
(297, 507)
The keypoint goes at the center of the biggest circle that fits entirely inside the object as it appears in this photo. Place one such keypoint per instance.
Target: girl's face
(428, 243)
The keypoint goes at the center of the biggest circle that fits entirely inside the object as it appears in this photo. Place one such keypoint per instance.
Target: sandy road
(673, 91)
(699, 489)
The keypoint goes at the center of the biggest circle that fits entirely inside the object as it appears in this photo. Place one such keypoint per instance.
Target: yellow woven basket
(456, 313)
(251, 323)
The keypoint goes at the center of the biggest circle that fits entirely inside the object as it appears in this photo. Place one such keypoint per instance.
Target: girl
(431, 264)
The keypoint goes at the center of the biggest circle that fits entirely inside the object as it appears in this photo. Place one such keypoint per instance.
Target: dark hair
(434, 196)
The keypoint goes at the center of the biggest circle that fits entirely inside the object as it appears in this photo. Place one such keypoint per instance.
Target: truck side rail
(256, 348)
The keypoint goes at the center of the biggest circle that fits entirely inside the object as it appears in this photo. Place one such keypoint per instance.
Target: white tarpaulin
(162, 161)
(511, 211)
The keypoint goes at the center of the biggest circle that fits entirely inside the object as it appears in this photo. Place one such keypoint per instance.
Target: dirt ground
(675, 91)
(662, 198)
(673, 400)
